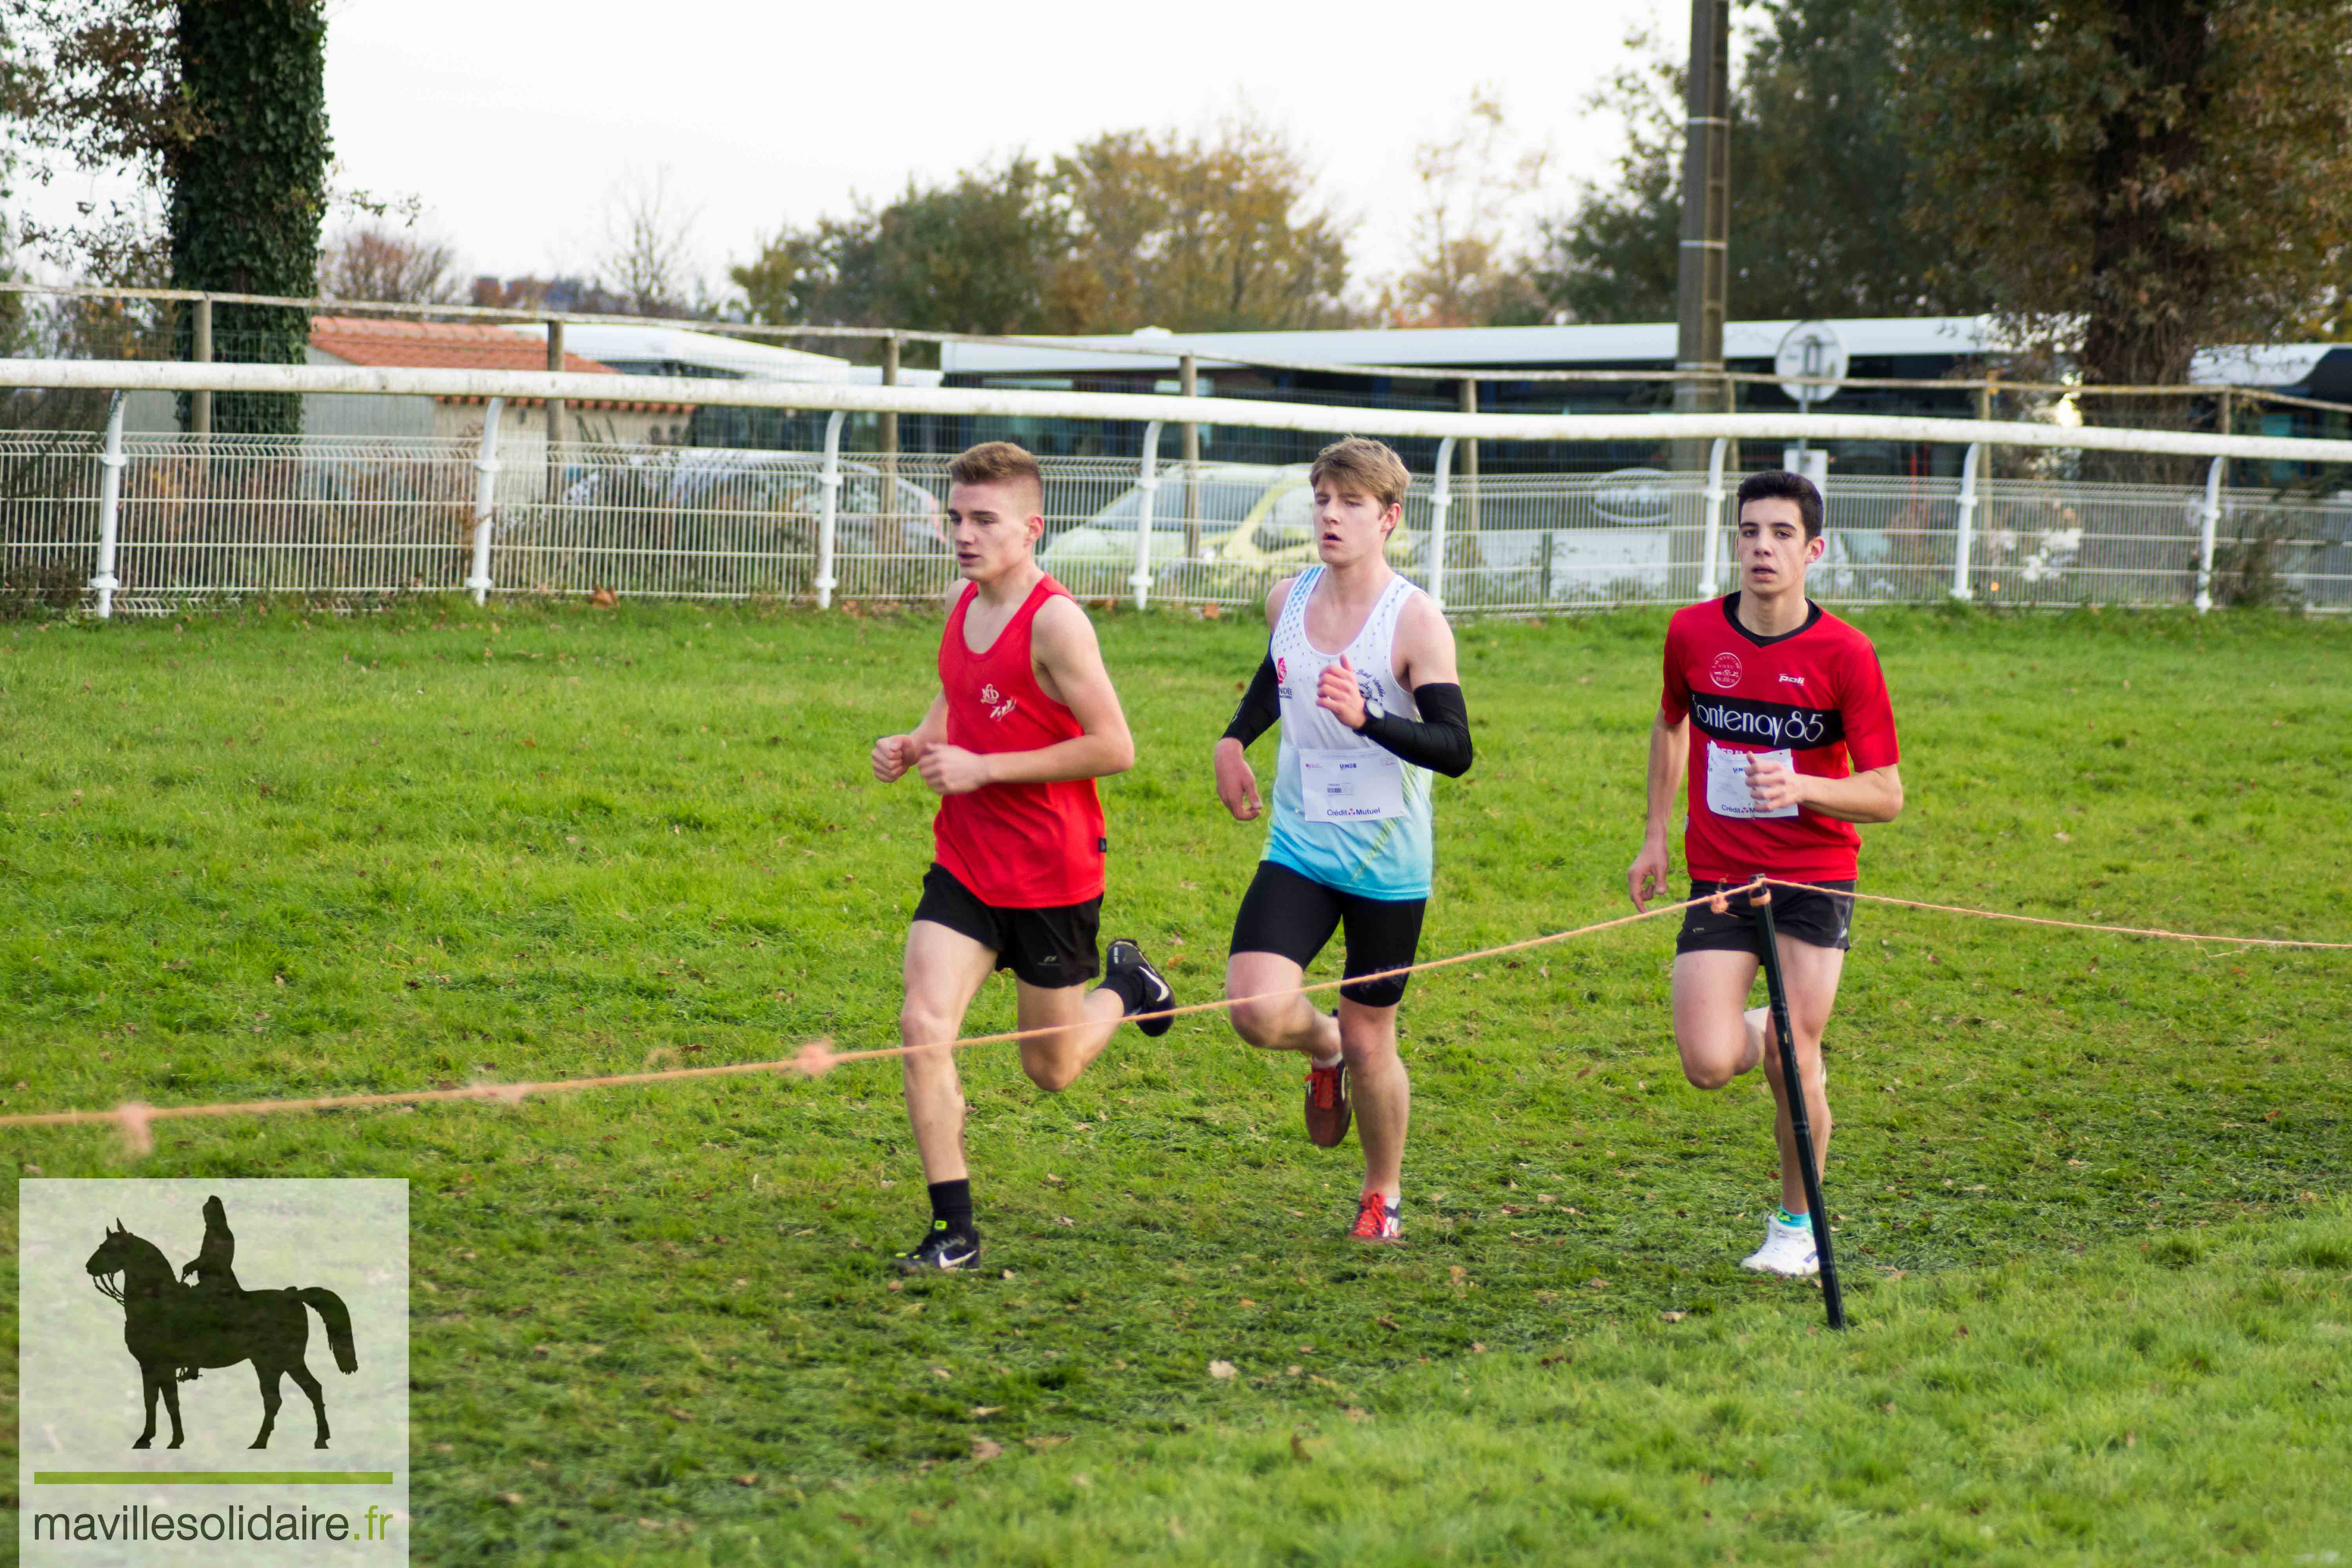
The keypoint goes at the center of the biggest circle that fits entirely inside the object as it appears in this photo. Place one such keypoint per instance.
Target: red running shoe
(1326, 1104)
(1376, 1219)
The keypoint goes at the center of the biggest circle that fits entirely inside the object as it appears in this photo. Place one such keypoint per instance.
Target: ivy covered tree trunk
(247, 191)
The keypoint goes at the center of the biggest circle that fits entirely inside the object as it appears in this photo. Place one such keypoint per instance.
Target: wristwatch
(1373, 713)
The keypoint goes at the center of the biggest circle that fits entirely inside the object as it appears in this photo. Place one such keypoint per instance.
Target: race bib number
(1352, 785)
(1727, 794)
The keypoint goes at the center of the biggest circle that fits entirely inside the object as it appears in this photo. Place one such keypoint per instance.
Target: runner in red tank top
(1024, 722)
(1796, 744)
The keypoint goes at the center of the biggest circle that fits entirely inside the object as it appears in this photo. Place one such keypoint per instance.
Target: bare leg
(1811, 974)
(1090, 1013)
(1720, 1038)
(1380, 1092)
(944, 970)
(1281, 1018)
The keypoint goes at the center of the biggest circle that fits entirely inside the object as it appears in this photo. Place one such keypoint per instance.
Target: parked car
(1256, 520)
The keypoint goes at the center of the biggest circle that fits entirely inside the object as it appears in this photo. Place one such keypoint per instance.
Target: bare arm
(1669, 755)
(1070, 667)
(894, 754)
(1873, 796)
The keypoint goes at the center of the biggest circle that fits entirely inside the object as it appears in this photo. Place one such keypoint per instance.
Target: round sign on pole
(1811, 348)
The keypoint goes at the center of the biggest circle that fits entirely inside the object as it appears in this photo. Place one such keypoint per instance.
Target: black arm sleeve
(1440, 740)
(1260, 707)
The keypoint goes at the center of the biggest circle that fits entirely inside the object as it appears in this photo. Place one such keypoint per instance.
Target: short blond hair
(997, 463)
(1368, 467)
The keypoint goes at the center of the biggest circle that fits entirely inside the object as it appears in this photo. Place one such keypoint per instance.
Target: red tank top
(1016, 846)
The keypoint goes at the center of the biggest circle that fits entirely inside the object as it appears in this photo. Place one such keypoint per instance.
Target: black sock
(952, 1205)
(1128, 985)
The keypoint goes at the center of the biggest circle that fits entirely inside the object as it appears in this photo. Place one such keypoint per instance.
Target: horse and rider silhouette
(175, 1330)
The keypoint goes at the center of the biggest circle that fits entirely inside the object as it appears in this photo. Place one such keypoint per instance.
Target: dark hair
(1779, 484)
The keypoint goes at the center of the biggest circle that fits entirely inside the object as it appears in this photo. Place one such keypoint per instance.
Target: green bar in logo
(212, 1477)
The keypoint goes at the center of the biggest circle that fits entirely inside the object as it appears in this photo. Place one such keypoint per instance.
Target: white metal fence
(226, 517)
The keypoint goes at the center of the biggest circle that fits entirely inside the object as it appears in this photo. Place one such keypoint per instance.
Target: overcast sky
(513, 124)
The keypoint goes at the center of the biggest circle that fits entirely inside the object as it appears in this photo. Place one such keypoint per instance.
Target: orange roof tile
(450, 345)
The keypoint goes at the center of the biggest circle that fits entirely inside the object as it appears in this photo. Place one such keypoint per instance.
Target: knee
(1363, 1055)
(920, 1024)
(1709, 1072)
(1049, 1075)
(1259, 1023)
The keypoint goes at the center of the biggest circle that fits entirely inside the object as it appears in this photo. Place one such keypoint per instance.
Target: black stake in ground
(1760, 904)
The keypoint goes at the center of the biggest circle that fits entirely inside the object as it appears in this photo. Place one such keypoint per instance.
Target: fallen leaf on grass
(752, 1480)
(983, 1411)
(1221, 1369)
(1672, 1317)
(1456, 1273)
(1597, 1283)
(1355, 1412)
(983, 1450)
(1042, 1444)
(941, 1372)
(1385, 1321)
(512, 1500)
(1477, 1347)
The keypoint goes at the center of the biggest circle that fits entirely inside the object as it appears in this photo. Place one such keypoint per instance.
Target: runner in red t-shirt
(1796, 744)
(1024, 722)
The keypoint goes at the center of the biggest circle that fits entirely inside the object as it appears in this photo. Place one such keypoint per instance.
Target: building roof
(1461, 348)
(447, 345)
(672, 350)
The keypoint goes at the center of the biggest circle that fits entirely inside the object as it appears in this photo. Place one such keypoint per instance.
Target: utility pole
(1706, 220)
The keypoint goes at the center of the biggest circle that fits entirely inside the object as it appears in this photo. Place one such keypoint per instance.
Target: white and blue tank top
(1348, 814)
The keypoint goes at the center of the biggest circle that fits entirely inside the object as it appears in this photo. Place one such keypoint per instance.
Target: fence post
(1440, 500)
(1150, 485)
(2205, 541)
(486, 479)
(828, 480)
(1966, 527)
(110, 508)
(200, 404)
(1711, 518)
(554, 413)
(890, 539)
(1188, 382)
(1470, 449)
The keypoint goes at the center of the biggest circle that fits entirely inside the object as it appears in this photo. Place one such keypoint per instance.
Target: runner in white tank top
(1362, 727)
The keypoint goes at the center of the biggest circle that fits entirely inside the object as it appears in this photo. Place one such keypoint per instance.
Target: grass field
(2094, 1208)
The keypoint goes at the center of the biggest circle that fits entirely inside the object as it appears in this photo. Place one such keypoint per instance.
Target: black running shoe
(944, 1250)
(1150, 1013)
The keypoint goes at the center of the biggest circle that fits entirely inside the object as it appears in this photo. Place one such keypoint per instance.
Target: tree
(1196, 234)
(1129, 229)
(2138, 178)
(647, 262)
(382, 263)
(1467, 270)
(1824, 174)
(974, 256)
(248, 190)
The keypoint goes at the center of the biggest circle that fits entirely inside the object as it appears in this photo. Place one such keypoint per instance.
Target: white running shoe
(1788, 1250)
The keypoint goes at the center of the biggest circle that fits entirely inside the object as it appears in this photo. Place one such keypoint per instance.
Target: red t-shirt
(1815, 693)
(1016, 846)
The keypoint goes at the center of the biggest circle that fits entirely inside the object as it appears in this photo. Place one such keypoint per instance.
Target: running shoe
(1788, 1250)
(943, 1250)
(1328, 1112)
(1150, 1014)
(1376, 1219)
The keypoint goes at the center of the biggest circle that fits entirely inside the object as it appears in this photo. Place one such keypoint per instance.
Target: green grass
(293, 853)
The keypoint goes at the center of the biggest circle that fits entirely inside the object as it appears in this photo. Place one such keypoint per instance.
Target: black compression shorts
(1285, 913)
(1821, 915)
(1050, 948)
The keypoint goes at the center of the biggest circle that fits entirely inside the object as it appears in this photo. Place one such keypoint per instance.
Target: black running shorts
(1293, 915)
(1821, 915)
(1050, 948)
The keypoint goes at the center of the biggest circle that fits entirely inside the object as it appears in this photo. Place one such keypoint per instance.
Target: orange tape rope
(134, 1119)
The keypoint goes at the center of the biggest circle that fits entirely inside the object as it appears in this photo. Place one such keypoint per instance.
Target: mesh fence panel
(335, 515)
